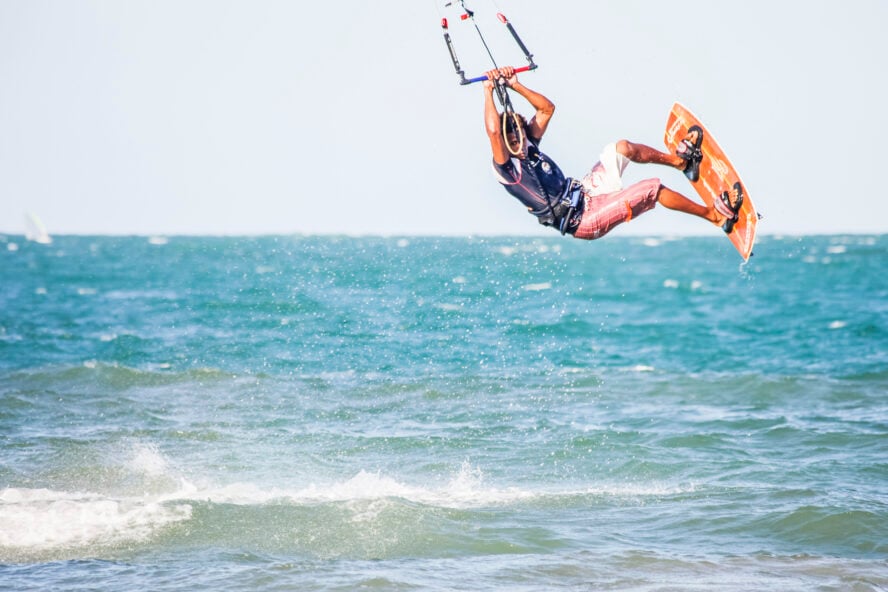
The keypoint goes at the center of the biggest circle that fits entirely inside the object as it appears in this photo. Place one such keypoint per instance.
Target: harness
(567, 209)
(564, 211)
(571, 204)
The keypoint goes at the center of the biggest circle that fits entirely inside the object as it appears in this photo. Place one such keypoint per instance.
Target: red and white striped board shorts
(604, 212)
(608, 203)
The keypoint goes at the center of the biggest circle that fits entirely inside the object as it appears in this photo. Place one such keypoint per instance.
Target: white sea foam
(537, 287)
(147, 459)
(449, 307)
(364, 485)
(531, 247)
(47, 520)
(43, 518)
(40, 519)
(140, 295)
(466, 489)
(640, 490)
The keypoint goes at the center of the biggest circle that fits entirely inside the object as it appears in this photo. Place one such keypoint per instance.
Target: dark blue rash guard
(536, 181)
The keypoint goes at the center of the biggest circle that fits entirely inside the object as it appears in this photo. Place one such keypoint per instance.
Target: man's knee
(626, 148)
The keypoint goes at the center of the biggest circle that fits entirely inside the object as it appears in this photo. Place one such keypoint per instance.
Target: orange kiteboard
(717, 175)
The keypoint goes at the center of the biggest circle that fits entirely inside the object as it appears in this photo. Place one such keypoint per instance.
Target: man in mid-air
(591, 207)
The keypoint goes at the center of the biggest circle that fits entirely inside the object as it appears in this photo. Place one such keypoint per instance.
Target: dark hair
(509, 120)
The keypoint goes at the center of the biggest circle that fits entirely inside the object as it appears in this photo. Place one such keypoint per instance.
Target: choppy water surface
(443, 414)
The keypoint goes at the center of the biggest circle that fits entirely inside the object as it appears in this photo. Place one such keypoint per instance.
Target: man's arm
(543, 106)
(492, 122)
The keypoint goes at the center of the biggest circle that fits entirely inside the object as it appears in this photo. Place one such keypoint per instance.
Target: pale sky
(283, 116)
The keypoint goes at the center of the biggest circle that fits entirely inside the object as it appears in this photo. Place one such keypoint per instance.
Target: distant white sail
(36, 231)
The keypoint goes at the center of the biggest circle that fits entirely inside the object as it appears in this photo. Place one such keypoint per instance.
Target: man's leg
(643, 154)
(673, 200)
(676, 201)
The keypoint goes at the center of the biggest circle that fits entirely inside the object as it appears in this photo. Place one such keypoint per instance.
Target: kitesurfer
(590, 207)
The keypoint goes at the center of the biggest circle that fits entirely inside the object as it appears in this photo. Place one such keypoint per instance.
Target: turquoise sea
(520, 414)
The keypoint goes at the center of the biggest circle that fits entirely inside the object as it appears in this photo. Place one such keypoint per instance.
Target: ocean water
(336, 413)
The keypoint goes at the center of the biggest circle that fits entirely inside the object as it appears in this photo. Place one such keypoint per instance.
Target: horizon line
(421, 235)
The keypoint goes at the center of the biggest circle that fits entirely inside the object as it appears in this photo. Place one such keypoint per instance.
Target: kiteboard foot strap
(725, 206)
(689, 150)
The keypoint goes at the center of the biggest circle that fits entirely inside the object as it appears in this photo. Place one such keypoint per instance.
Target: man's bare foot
(716, 218)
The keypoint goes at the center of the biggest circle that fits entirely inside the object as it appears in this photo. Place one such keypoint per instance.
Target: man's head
(515, 134)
